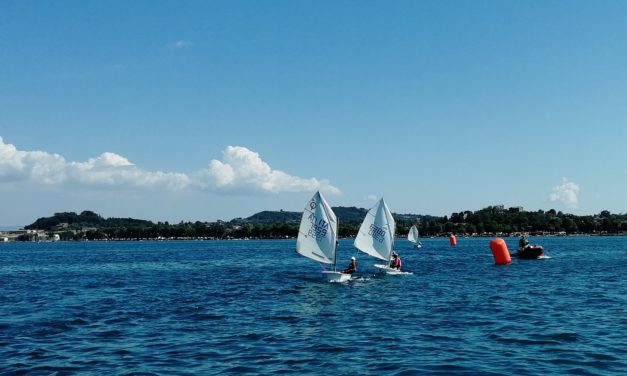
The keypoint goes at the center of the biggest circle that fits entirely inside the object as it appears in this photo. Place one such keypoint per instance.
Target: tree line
(488, 221)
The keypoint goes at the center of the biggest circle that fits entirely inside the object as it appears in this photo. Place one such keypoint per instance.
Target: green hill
(269, 217)
(346, 215)
(279, 224)
(72, 221)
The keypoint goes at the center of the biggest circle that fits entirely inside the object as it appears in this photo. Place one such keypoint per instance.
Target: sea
(257, 307)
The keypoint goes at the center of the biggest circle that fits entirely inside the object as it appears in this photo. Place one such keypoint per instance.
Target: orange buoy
(452, 240)
(500, 252)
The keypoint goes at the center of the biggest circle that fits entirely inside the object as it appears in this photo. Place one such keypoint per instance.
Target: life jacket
(396, 263)
(352, 267)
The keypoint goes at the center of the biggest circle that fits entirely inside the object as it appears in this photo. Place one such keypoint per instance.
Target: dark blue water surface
(257, 307)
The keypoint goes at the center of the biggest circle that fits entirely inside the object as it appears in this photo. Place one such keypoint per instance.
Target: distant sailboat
(376, 235)
(413, 236)
(317, 236)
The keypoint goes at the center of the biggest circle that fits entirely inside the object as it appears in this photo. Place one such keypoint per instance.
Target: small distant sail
(317, 234)
(376, 234)
(413, 234)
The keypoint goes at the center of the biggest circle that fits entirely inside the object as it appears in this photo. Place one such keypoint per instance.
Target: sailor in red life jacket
(395, 262)
(351, 268)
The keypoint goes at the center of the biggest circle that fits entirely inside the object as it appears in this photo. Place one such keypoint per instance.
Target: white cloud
(18, 165)
(108, 169)
(242, 168)
(180, 44)
(566, 193)
(372, 198)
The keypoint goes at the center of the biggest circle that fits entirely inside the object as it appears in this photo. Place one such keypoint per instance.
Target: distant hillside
(89, 219)
(269, 217)
(281, 224)
(413, 218)
(346, 215)
(71, 220)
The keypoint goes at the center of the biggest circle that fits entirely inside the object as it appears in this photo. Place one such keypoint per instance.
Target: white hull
(387, 270)
(331, 276)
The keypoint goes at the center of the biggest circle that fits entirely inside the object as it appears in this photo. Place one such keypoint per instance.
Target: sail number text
(319, 228)
(377, 233)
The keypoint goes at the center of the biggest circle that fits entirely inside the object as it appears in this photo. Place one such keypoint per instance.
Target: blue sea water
(257, 307)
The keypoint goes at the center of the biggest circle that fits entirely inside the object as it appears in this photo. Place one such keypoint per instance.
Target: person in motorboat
(351, 268)
(523, 242)
(528, 251)
(395, 262)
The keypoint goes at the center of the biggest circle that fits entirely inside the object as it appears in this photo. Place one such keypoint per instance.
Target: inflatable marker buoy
(452, 240)
(500, 252)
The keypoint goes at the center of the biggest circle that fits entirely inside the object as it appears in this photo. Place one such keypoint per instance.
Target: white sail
(413, 234)
(376, 234)
(317, 234)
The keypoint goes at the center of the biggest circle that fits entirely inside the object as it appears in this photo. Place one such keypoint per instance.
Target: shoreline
(3, 239)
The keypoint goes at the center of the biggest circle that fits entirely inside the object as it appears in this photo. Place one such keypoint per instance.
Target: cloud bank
(106, 170)
(240, 170)
(241, 167)
(566, 193)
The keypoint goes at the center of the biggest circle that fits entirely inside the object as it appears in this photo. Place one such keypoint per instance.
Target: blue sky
(201, 110)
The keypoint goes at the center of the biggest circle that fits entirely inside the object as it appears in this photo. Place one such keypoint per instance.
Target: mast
(391, 253)
(337, 222)
(392, 232)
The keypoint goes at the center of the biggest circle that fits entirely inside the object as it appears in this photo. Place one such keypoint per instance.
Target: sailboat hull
(336, 276)
(387, 270)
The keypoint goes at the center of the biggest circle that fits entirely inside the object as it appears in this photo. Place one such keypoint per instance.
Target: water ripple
(163, 308)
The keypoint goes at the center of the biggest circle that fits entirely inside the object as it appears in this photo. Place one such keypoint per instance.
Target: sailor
(352, 267)
(395, 262)
(523, 243)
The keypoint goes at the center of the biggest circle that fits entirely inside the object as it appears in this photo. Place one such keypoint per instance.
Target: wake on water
(399, 273)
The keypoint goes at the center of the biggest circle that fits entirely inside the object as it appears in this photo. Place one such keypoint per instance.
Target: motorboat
(530, 252)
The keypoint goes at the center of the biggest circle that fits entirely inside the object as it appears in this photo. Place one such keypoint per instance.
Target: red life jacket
(352, 267)
(396, 263)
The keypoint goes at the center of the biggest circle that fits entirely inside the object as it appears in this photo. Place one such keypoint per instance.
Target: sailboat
(376, 235)
(413, 235)
(317, 236)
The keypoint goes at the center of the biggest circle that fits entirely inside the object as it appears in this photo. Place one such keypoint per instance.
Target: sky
(203, 110)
